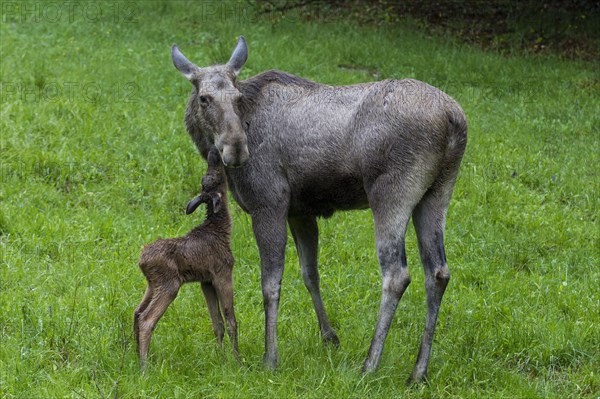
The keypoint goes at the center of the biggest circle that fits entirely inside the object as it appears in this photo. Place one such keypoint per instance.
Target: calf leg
(429, 220)
(306, 236)
(136, 315)
(213, 310)
(161, 299)
(271, 236)
(224, 290)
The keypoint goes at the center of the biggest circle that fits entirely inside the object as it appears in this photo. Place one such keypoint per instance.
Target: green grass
(96, 162)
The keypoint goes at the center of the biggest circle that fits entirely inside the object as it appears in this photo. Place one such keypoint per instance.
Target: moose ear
(216, 201)
(185, 66)
(195, 203)
(239, 56)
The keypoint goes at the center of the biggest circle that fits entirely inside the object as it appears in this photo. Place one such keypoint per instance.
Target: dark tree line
(570, 27)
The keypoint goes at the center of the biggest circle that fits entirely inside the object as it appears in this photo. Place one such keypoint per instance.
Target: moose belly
(323, 195)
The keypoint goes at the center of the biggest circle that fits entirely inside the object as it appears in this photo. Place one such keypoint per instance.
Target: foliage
(565, 27)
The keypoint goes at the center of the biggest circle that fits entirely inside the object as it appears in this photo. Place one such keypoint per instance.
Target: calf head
(213, 108)
(214, 185)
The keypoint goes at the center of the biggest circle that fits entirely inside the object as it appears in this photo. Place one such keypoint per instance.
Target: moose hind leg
(390, 228)
(429, 220)
(306, 237)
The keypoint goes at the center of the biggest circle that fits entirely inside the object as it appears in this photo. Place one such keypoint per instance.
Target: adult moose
(296, 150)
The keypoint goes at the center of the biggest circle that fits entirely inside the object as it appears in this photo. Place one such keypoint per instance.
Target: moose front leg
(271, 236)
(306, 236)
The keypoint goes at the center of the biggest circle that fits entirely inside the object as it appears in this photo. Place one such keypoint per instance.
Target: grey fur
(394, 146)
(182, 63)
(202, 255)
(239, 56)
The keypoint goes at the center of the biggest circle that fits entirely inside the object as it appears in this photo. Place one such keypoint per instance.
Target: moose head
(213, 108)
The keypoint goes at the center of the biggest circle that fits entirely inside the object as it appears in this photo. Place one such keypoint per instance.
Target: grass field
(95, 162)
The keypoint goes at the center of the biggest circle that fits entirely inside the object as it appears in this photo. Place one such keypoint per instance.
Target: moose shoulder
(296, 150)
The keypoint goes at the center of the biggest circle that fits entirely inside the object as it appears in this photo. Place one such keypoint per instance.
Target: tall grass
(96, 162)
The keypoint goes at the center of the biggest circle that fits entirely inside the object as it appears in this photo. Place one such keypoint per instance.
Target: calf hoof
(236, 354)
(331, 338)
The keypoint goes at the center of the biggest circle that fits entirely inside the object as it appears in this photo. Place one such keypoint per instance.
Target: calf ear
(195, 203)
(185, 66)
(239, 56)
(216, 201)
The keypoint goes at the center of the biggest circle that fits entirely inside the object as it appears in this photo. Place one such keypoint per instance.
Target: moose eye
(204, 100)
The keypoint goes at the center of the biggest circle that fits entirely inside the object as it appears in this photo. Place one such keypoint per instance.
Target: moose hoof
(269, 362)
(330, 338)
(417, 378)
(368, 367)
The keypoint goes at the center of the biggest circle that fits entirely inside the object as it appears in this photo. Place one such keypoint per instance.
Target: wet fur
(203, 255)
(394, 146)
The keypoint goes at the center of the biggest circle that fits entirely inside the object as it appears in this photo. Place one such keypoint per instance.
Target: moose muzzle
(234, 155)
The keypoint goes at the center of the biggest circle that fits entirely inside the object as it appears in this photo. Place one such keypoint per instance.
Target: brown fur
(202, 255)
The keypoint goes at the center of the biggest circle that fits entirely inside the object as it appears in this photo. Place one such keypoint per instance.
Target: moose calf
(202, 255)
